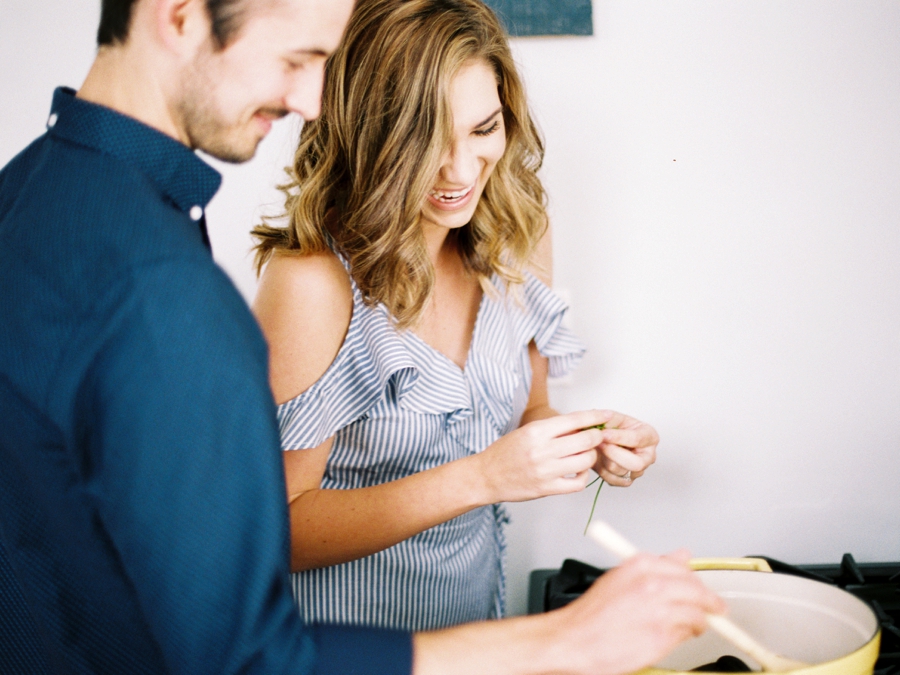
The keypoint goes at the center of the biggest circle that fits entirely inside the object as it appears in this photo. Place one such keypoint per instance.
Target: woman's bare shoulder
(304, 304)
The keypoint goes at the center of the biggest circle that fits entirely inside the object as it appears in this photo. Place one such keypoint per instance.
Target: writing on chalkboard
(544, 17)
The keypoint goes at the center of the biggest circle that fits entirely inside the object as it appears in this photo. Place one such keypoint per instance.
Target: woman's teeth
(448, 196)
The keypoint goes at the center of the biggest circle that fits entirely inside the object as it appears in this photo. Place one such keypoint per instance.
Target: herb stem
(594, 505)
(597, 494)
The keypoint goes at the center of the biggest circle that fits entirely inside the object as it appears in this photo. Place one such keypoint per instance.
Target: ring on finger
(626, 475)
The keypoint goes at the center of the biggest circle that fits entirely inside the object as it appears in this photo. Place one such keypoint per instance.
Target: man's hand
(637, 613)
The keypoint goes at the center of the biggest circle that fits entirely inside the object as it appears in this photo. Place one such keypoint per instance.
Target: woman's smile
(450, 200)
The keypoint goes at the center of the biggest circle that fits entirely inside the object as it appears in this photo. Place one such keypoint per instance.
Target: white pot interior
(798, 618)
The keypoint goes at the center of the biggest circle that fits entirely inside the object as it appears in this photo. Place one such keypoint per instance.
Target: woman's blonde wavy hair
(363, 169)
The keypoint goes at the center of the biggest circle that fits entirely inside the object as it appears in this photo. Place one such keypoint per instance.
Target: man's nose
(304, 96)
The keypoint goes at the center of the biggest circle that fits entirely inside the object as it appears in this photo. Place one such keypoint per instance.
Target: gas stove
(878, 584)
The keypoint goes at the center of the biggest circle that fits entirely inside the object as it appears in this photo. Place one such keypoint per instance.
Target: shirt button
(51, 121)
(196, 213)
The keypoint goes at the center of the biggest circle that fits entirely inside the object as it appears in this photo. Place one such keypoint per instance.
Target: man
(142, 509)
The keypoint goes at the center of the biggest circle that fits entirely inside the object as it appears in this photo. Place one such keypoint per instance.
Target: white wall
(725, 186)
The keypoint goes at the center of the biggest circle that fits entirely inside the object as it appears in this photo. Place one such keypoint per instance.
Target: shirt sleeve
(187, 478)
(544, 322)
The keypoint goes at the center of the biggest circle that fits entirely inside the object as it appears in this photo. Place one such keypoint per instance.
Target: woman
(409, 345)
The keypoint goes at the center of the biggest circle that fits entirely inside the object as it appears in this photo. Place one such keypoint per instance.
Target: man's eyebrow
(312, 51)
(489, 117)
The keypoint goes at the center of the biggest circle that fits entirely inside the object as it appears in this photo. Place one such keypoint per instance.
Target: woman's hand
(627, 449)
(546, 457)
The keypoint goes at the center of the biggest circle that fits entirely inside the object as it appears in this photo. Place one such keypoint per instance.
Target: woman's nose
(460, 167)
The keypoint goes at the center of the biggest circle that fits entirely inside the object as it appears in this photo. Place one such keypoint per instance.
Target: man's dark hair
(115, 19)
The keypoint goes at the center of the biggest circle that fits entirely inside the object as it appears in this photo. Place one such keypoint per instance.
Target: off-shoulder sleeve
(372, 354)
(543, 322)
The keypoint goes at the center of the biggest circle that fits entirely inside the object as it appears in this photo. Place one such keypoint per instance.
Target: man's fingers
(681, 557)
(689, 588)
(687, 621)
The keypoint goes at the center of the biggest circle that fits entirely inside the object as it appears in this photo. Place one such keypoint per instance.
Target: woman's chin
(450, 220)
(447, 223)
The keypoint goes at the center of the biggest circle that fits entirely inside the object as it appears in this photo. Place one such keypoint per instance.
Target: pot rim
(863, 659)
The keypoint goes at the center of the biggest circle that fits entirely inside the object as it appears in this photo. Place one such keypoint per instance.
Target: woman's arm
(334, 526)
(538, 407)
(304, 306)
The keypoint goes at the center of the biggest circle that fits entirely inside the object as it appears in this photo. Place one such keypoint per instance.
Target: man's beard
(206, 132)
(205, 129)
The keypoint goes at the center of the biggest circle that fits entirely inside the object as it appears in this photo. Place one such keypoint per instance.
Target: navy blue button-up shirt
(143, 525)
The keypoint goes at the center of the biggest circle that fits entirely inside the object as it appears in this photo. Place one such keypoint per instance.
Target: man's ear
(182, 26)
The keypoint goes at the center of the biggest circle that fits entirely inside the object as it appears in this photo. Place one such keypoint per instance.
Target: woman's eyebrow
(489, 118)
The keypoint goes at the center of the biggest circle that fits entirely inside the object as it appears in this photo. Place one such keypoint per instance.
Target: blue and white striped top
(396, 406)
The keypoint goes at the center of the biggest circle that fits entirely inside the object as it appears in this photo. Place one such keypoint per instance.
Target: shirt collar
(178, 173)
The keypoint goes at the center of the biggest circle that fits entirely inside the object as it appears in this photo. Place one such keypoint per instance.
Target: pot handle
(750, 564)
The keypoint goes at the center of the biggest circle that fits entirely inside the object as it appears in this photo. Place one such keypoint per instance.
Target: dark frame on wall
(544, 17)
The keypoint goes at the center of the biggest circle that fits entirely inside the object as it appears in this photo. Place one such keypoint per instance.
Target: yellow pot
(810, 621)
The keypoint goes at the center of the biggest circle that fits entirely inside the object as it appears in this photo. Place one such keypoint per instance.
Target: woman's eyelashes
(293, 66)
(487, 131)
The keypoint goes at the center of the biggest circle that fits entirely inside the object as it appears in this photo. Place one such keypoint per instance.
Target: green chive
(591, 517)
(599, 487)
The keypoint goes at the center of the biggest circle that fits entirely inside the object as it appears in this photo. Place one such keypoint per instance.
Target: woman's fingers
(614, 457)
(643, 436)
(554, 455)
(615, 479)
(571, 483)
(561, 425)
(573, 464)
(623, 472)
(623, 453)
(575, 443)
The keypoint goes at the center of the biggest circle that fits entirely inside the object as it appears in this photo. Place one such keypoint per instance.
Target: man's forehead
(322, 20)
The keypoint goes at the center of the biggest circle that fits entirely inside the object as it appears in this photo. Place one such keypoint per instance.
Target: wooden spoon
(616, 544)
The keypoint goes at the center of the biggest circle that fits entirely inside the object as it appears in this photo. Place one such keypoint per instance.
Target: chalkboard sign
(544, 17)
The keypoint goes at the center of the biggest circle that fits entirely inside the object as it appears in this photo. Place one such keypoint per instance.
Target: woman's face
(477, 144)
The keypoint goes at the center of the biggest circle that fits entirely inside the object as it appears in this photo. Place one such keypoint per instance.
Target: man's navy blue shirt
(143, 525)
